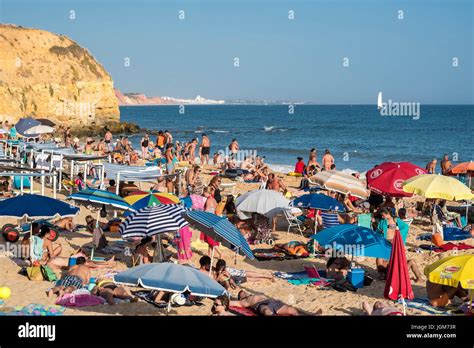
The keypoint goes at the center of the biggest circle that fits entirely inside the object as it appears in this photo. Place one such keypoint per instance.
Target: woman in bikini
(210, 207)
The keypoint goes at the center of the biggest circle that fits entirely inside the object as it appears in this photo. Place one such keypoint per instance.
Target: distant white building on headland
(197, 100)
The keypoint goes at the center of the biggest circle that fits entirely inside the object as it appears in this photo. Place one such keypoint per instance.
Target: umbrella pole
(212, 259)
(158, 249)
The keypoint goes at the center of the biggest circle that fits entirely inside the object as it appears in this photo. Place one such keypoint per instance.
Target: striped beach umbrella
(338, 181)
(100, 197)
(142, 199)
(154, 220)
(220, 229)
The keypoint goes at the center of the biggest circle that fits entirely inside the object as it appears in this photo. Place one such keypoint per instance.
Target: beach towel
(302, 278)
(36, 248)
(184, 244)
(241, 311)
(79, 300)
(422, 304)
(294, 248)
(265, 255)
(33, 309)
(452, 246)
(146, 295)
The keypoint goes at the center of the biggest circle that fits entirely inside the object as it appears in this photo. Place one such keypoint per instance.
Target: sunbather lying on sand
(441, 295)
(76, 277)
(221, 306)
(107, 289)
(263, 305)
(380, 308)
(230, 277)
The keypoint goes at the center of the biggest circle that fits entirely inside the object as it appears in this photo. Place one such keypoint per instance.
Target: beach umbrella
(186, 201)
(141, 199)
(46, 122)
(388, 178)
(100, 197)
(35, 206)
(463, 168)
(319, 201)
(397, 284)
(453, 271)
(24, 124)
(354, 240)
(338, 181)
(171, 277)
(154, 220)
(220, 229)
(39, 129)
(264, 202)
(438, 186)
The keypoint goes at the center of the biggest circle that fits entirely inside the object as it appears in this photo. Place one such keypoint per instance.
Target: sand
(306, 298)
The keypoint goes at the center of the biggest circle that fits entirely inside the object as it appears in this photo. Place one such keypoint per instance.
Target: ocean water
(357, 136)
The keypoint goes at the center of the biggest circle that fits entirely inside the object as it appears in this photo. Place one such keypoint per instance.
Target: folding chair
(293, 222)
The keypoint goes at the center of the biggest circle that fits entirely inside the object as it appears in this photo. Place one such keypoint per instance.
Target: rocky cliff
(47, 75)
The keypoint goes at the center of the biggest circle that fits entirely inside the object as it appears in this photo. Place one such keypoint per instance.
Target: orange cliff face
(45, 75)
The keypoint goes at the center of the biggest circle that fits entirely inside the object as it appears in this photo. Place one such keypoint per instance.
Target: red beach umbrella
(398, 278)
(387, 178)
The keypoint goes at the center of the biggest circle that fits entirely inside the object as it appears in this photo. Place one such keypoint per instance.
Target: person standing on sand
(192, 151)
(431, 167)
(168, 137)
(328, 160)
(169, 159)
(445, 165)
(160, 141)
(205, 149)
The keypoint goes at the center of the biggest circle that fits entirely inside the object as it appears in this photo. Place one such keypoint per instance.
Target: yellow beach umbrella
(452, 271)
(438, 186)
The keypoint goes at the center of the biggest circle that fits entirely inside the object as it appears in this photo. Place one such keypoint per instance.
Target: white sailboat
(379, 101)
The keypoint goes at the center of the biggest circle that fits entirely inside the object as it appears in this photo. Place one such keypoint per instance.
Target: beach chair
(408, 221)
(329, 219)
(293, 222)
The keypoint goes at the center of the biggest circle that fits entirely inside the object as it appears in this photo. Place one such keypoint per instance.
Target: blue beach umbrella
(153, 220)
(220, 229)
(171, 277)
(35, 206)
(101, 197)
(319, 201)
(355, 240)
(24, 124)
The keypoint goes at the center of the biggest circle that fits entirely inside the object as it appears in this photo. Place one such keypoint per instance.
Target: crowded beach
(94, 226)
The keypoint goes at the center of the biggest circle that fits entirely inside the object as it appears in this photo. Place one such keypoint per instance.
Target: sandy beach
(306, 298)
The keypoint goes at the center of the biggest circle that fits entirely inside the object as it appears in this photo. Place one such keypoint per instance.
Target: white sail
(379, 101)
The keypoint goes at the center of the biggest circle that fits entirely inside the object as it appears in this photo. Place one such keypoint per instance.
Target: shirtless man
(275, 184)
(168, 137)
(205, 264)
(431, 167)
(190, 177)
(234, 146)
(76, 277)
(440, 295)
(205, 149)
(263, 305)
(247, 164)
(328, 160)
(192, 151)
(445, 165)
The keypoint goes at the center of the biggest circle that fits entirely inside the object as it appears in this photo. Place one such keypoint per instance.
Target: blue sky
(299, 60)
